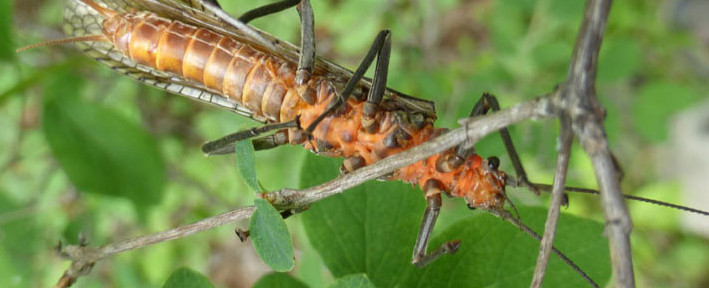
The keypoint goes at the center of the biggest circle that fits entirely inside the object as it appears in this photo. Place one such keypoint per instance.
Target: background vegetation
(57, 105)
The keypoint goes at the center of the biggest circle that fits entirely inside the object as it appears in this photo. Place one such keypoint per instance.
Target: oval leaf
(353, 281)
(279, 280)
(187, 278)
(270, 236)
(101, 151)
(246, 163)
(372, 229)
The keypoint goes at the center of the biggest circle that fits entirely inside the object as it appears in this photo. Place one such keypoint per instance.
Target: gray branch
(578, 99)
(557, 196)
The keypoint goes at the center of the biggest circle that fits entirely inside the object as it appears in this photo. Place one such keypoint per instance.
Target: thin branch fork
(578, 100)
(587, 122)
(557, 198)
(83, 257)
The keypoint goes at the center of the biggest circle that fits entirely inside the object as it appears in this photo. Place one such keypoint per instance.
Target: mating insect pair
(312, 103)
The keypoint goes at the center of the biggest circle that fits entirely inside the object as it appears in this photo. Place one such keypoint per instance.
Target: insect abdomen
(258, 81)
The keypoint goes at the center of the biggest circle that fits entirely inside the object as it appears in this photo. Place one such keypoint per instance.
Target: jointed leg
(225, 145)
(433, 198)
(267, 10)
(307, 34)
(486, 103)
(381, 49)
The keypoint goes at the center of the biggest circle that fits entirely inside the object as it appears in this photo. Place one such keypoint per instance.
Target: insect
(304, 108)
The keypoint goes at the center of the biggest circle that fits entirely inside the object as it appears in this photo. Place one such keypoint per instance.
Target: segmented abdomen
(258, 81)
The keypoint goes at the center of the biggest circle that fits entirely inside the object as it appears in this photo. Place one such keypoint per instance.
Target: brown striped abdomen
(258, 81)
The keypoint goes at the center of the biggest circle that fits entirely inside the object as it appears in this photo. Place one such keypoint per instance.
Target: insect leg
(380, 48)
(271, 141)
(486, 103)
(267, 10)
(225, 144)
(307, 34)
(374, 97)
(433, 206)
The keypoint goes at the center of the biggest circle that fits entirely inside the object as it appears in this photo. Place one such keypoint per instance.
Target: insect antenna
(507, 216)
(89, 38)
(547, 189)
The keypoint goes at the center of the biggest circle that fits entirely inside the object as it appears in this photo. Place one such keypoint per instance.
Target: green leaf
(368, 229)
(494, 253)
(353, 281)
(371, 229)
(6, 43)
(101, 151)
(246, 163)
(270, 236)
(187, 278)
(279, 280)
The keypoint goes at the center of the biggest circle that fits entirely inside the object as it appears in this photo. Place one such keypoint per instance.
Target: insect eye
(493, 163)
(470, 206)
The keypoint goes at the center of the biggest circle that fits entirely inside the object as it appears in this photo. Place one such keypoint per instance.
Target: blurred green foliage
(144, 144)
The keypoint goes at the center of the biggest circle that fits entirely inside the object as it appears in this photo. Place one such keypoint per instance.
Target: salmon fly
(191, 51)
